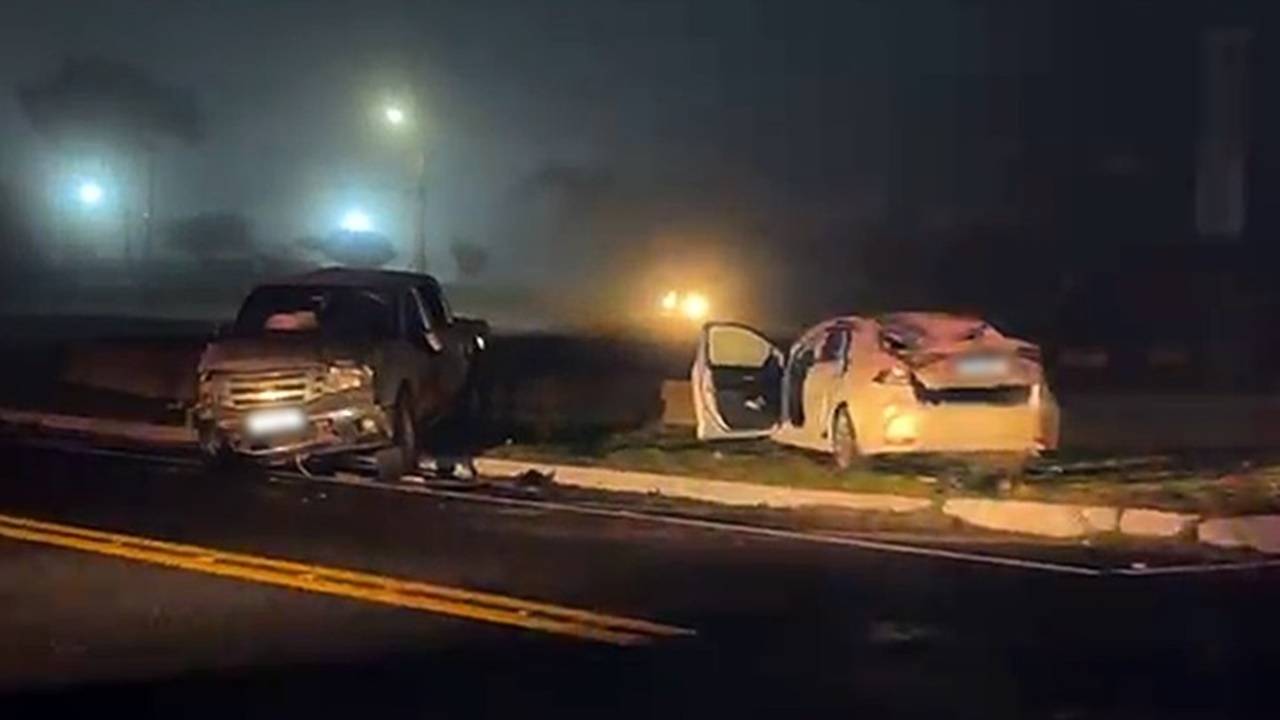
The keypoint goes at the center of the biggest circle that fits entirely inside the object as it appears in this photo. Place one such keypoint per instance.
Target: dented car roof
(936, 325)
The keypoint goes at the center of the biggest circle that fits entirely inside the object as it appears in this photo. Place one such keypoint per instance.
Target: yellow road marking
(457, 602)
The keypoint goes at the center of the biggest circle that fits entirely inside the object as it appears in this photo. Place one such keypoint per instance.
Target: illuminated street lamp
(670, 302)
(695, 306)
(89, 193)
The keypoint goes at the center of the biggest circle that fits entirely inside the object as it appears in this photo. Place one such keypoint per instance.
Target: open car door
(737, 383)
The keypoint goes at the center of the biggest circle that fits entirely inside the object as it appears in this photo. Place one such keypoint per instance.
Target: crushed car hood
(250, 354)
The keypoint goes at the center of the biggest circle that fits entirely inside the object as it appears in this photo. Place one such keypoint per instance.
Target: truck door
(451, 352)
(421, 363)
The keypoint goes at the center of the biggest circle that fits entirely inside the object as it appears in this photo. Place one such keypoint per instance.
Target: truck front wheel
(214, 454)
(393, 462)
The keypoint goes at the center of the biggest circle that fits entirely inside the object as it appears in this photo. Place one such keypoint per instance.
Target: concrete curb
(119, 429)
(1056, 520)
(716, 491)
(1260, 532)
(1060, 520)
(1034, 518)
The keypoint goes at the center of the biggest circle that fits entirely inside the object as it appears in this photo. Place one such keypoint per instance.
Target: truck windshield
(345, 312)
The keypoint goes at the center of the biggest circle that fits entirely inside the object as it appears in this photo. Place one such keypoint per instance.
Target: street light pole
(149, 216)
(399, 119)
(420, 213)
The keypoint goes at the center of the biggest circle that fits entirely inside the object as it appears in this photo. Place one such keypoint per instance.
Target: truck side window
(414, 322)
(433, 304)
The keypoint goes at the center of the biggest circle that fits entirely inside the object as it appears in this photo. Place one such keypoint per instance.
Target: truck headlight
(343, 378)
(204, 388)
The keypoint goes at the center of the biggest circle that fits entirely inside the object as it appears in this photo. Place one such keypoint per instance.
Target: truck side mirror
(432, 341)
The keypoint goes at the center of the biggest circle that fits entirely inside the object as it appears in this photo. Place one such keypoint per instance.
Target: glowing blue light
(357, 221)
(90, 193)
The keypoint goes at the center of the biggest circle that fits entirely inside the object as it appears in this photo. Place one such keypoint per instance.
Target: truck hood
(253, 354)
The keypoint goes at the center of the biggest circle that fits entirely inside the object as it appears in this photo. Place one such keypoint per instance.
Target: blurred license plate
(982, 366)
(275, 421)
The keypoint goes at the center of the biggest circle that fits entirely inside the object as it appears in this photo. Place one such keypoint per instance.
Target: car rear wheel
(393, 462)
(844, 439)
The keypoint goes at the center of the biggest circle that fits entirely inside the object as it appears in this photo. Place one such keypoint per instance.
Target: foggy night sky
(577, 135)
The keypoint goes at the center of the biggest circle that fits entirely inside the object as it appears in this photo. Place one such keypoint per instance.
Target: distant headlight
(343, 378)
(688, 305)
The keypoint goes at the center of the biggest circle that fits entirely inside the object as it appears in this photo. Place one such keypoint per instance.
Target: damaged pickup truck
(333, 362)
(897, 383)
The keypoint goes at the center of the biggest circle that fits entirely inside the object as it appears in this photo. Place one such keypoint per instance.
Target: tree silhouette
(17, 252)
(358, 249)
(213, 235)
(470, 258)
(99, 99)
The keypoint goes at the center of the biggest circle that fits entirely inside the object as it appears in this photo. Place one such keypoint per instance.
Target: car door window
(744, 375)
(797, 370)
(833, 345)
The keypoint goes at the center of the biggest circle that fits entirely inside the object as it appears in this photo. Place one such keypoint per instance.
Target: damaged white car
(897, 383)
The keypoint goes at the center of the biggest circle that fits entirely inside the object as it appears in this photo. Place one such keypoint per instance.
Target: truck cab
(336, 361)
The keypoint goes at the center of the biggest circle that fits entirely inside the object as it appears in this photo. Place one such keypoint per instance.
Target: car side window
(433, 304)
(833, 345)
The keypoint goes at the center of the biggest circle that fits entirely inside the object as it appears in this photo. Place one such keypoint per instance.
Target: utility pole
(148, 217)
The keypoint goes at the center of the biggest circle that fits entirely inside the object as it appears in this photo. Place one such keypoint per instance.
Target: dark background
(1036, 162)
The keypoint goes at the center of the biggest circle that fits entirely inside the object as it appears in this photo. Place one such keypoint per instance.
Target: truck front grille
(246, 391)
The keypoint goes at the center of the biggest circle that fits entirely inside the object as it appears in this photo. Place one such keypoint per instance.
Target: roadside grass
(1217, 484)
(1195, 490)
(677, 452)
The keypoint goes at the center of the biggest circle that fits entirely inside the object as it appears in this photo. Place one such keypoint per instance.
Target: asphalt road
(715, 621)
